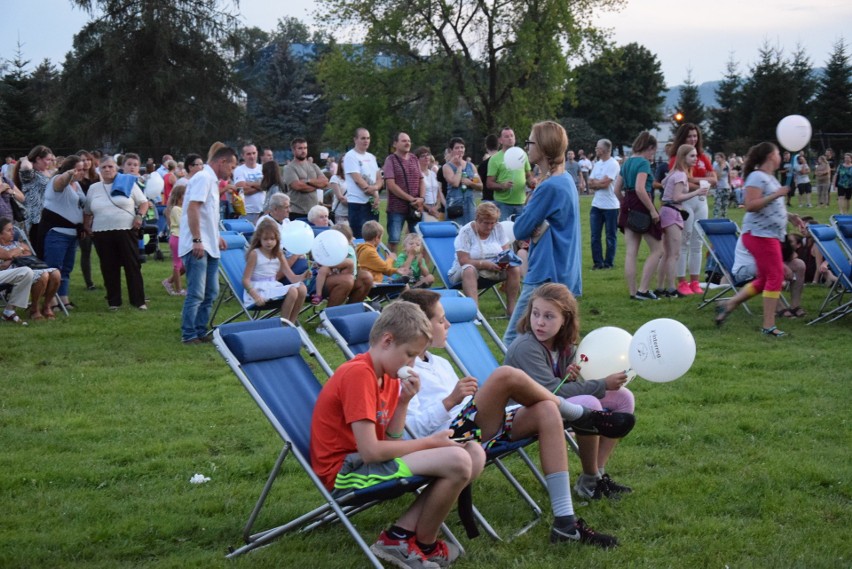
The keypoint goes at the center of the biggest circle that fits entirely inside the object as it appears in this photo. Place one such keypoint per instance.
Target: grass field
(743, 462)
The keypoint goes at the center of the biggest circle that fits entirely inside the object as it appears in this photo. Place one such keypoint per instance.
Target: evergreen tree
(724, 128)
(833, 103)
(689, 102)
(21, 130)
(804, 83)
(767, 96)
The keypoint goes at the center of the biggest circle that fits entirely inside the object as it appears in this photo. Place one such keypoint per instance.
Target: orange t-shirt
(352, 394)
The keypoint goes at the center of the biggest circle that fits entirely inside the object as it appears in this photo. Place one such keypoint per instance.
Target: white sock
(559, 488)
(570, 411)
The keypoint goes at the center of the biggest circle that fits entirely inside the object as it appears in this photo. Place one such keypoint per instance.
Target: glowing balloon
(508, 230)
(154, 187)
(515, 158)
(662, 350)
(603, 352)
(297, 237)
(793, 132)
(330, 248)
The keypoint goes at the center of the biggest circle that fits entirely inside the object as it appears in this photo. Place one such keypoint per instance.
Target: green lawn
(744, 462)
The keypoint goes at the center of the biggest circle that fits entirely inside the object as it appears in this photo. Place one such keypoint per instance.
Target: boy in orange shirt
(368, 254)
(356, 439)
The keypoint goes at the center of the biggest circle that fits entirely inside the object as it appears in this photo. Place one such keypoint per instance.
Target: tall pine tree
(689, 101)
(833, 103)
(724, 128)
(21, 129)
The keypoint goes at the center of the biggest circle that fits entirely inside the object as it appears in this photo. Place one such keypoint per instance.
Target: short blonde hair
(487, 211)
(410, 239)
(405, 321)
(372, 229)
(317, 211)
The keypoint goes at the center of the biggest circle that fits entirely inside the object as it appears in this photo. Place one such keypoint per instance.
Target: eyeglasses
(528, 143)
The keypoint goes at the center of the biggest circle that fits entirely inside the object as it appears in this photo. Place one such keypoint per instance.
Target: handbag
(18, 213)
(30, 261)
(638, 221)
(454, 211)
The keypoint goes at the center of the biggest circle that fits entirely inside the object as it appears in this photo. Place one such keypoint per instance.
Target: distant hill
(706, 91)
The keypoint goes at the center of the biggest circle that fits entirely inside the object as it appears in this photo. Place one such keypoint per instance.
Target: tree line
(161, 76)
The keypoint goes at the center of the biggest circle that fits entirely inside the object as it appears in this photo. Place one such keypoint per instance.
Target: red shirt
(352, 394)
(701, 168)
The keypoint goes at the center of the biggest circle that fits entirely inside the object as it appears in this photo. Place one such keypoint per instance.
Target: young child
(265, 265)
(412, 258)
(356, 439)
(675, 191)
(349, 266)
(368, 254)
(173, 212)
(444, 401)
(545, 349)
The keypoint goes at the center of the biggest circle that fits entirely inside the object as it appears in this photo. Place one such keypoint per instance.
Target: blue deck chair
(232, 264)
(266, 356)
(720, 236)
(843, 226)
(242, 226)
(828, 243)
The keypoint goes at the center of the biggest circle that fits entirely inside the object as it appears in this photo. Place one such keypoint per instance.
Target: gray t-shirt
(771, 220)
(301, 202)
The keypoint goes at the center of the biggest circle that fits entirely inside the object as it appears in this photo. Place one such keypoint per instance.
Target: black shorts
(804, 188)
(844, 192)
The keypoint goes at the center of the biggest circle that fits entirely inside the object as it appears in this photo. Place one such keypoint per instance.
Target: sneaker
(647, 295)
(696, 287)
(167, 284)
(661, 293)
(584, 534)
(322, 331)
(683, 289)
(614, 487)
(600, 490)
(402, 553)
(444, 553)
(604, 423)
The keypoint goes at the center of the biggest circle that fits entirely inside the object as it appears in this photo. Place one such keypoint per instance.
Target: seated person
(356, 439)
(412, 258)
(20, 278)
(45, 281)
(332, 282)
(745, 269)
(545, 349)
(318, 216)
(368, 254)
(444, 401)
(477, 244)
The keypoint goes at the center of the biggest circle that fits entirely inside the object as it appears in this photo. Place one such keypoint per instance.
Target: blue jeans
(457, 196)
(507, 210)
(359, 214)
(202, 287)
(395, 223)
(520, 308)
(60, 251)
(597, 219)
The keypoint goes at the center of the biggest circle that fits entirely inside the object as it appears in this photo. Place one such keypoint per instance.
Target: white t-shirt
(242, 173)
(432, 187)
(364, 164)
(585, 165)
(336, 209)
(282, 225)
(426, 413)
(745, 267)
(605, 197)
(468, 241)
(204, 188)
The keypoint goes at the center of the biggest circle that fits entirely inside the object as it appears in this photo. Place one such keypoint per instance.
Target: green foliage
(689, 102)
(21, 129)
(620, 92)
(580, 134)
(723, 124)
(833, 104)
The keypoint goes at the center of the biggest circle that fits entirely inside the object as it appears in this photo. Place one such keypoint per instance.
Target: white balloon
(330, 248)
(603, 352)
(154, 187)
(793, 132)
(514, 158)
(297, 237)
(508, 229)
(662, 350)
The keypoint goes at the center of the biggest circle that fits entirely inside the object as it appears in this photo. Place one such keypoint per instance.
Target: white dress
(263, 279)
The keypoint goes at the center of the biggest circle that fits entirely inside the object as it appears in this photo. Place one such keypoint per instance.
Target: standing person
(843, 183)
(61, 221)
(85, 240)
(764, 227)
(662, 169)
(339, 203)
(675, 193)
(331, 166)
(247, 178)
(200, 243)
(303, 179)
(551, 221)
(604, 212)
(696, 206)
(266, 156)
(573, 168)
(113, 217)
(510, 186)
(173, 212)
(169, 180)
(803, 179)
(357, 435)
(585, 169)
(634, 189)
(32, 174)
(492, 145)
(433, 198)
(406, 189)
(272, 183)
(363, 182)
(723, 185)
(9, 192)
(823, 181)
(462, 179)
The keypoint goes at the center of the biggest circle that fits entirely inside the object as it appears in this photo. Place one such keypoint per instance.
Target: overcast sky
(46, 29)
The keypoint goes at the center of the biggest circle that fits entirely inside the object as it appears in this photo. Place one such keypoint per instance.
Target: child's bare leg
(543, 419)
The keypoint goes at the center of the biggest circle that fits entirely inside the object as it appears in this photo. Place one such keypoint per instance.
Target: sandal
(316, 299)
(48, 313)
(721, 313)
(786, 313)
(774, 331)
(13, 318)
(798, 312)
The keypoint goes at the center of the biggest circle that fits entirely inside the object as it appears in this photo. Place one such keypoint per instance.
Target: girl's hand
(258, 300)
(615, 381)
(573, 372)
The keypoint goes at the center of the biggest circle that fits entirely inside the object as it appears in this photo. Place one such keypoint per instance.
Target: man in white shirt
(585, 169)
(303, 179)
(247, 178)
(200, 244)
(605, 205)
(363, 183)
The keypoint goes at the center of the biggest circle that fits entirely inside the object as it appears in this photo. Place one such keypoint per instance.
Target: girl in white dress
(265, 266)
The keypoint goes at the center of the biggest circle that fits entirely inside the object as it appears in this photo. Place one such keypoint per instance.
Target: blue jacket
(556, 257)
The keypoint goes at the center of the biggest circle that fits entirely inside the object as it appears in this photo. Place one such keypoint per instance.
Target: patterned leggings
(720, 207)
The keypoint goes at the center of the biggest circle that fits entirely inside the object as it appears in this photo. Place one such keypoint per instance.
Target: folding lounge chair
(439, 240)
(843, 226)
(266, 357)
(242, 226)
(349, 326)
(720, 235)
(828, 243)
(232, 264)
